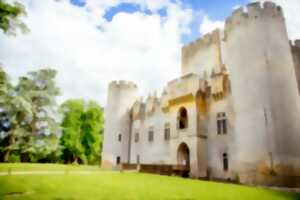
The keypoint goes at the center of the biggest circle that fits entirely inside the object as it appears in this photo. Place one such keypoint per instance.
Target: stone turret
(121, 97)
(264, 93)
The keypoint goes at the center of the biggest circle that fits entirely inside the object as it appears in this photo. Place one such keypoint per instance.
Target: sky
(92, 42)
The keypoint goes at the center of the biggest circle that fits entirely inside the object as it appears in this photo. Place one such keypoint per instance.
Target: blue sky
(217, 10)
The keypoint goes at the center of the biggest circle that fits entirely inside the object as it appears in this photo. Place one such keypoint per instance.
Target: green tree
(71, 131)
(9, 17)
(82, 131)
(31, 109)
(40, 128)
(92, 127)
(5, 101)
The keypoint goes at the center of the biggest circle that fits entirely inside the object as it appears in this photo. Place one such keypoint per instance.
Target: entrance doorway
(183, 158)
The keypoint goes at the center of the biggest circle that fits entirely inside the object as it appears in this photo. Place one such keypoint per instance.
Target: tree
(82, 131)
(40, 126)
(71, 131)
(5, 101)
(31, 110)
(92, 127)
(9, 17)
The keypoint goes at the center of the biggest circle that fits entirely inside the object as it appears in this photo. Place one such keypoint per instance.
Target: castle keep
(233, 113)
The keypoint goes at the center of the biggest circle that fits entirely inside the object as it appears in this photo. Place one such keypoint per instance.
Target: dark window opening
(182, 118)
(118, 160)
(219, 126)
(224, 126)
(150, 135)
(119, 137)
(221, 123)
(136, 137)
(225, 162)
(167, 133)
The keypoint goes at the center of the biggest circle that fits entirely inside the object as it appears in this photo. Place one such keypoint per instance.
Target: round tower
(264, 92)
(116, 146)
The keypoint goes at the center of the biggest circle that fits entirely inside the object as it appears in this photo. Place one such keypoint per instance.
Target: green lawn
(4, 167)
(107, 185)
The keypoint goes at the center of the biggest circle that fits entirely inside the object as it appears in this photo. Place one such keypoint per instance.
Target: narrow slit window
(225, 162)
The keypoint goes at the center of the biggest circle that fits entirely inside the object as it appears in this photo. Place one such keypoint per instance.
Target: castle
(233, 113)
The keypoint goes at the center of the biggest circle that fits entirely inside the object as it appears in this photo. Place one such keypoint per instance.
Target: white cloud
(207, 25)
(138, 47)
(236, 7)
(291, 10)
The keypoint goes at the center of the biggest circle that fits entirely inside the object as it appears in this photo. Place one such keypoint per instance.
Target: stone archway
(183, 156)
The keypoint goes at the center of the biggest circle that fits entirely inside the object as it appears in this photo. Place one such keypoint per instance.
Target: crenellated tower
(264, 93)
(121, 97)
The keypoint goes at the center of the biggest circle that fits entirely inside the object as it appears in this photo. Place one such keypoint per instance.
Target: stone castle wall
(250, 72)
(264, 90)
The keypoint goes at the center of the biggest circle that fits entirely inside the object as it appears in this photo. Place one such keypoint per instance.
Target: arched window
(182, 119)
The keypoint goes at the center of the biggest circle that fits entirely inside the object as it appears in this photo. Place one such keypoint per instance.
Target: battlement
(202, 42)
(122, 85)
(252, 11)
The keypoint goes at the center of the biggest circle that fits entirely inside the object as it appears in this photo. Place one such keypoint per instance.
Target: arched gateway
(183, 156)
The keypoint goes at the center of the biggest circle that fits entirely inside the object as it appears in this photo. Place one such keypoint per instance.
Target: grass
(106, 185)
(4, 167)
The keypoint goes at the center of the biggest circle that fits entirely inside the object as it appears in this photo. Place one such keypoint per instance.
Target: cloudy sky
(92, 42)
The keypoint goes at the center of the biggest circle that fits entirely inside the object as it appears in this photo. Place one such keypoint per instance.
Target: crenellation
(254, 9)
(202, 42)
(122, 85)
(239, 16)
(270, 5)
(271, 9)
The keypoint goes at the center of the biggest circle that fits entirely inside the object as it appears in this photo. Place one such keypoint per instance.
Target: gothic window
(182, 118)
(118, 161)
(136, 137)
(150, 134)
(119, 137)
(167, 131)
(225, 162)
(221, 123)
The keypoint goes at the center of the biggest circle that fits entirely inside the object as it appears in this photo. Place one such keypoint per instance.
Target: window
(119, 137)
(182, 119)
(118, 161)
(137, 159)
(136, 137)
(221, 123)
(167, 131)
(225, 162)
(150, 134)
